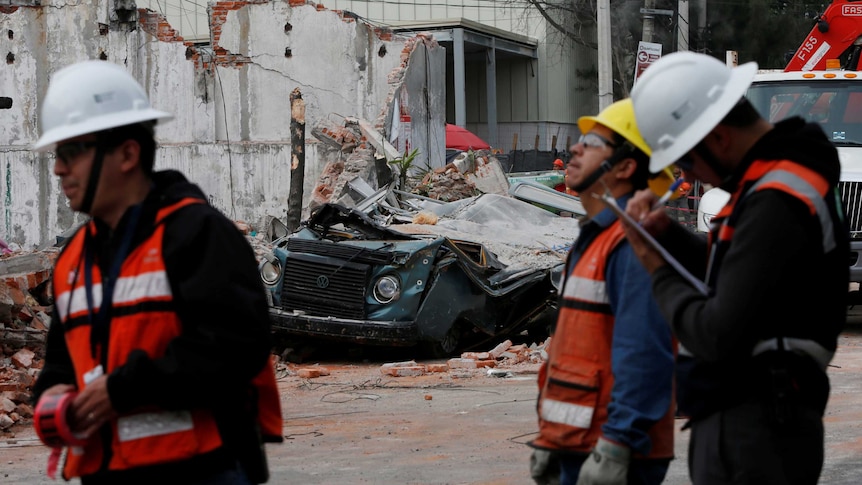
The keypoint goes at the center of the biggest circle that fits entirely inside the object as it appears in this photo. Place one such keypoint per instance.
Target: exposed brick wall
(157, 25)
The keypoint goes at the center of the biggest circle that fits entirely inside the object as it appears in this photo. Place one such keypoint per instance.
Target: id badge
(93, 374)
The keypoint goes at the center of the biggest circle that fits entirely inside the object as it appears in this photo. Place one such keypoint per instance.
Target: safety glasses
(73, 149)
(593, 140)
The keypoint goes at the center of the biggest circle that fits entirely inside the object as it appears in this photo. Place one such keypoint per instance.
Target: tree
(575, 20)
(760, 30)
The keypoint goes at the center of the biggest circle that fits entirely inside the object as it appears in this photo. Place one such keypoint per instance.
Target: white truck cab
(832, 98)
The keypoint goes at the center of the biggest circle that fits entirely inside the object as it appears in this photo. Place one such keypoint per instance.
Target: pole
(297, 159)
(649, 22)
(683, 27)
(603, 19)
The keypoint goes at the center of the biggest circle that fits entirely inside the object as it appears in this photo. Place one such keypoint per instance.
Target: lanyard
(100, 323)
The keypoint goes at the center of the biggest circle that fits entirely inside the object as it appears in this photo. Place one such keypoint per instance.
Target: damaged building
(230, 97)
(229, 84)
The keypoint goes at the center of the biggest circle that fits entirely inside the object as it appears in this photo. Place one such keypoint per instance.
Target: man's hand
(608, 464)
(655, 222)
(92, 408)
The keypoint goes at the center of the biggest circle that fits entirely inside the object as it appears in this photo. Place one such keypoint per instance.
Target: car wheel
(446, 346)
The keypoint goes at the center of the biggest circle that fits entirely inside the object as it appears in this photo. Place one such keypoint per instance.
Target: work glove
(544, 467)
(608, 464)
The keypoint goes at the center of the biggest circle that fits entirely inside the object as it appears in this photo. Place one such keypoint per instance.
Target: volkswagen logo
(322, 281)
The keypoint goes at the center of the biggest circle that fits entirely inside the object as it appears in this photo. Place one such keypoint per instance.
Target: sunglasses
(593, 140)
(70, 151)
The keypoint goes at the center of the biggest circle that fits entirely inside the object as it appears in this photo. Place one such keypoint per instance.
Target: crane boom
(837, 32)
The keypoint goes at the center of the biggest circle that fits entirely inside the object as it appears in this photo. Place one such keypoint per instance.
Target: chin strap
(619, 154)
(93, 181)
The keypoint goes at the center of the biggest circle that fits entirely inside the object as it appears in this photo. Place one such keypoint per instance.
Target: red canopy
(461, 139)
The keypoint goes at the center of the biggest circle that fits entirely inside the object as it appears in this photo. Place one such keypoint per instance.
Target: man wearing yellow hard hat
(606, 392)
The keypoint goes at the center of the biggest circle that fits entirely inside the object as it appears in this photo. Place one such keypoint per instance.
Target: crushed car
(445, 276)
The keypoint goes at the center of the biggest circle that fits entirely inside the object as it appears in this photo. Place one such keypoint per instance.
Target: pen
(667, 195)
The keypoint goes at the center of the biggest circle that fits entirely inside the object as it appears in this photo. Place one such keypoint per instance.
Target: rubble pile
(446, 184)
(25, 306)
(505, 355)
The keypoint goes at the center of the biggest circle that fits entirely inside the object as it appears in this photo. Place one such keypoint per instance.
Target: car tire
(446, 346)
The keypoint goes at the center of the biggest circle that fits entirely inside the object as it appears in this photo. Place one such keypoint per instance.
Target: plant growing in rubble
(404, 164)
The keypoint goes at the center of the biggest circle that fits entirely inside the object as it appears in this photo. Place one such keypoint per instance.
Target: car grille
(324, 288)
(341, 251)
(851, 195)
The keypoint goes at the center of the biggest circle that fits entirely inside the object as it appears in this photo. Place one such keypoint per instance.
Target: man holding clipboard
(762, 334)
(606, 393)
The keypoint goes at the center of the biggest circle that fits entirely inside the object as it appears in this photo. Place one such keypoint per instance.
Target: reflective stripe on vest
(128, 291)
(806, 193)
(567, 413)
(590, 291)
(812, 349)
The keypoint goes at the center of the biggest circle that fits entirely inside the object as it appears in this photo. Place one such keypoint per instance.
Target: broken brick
(436, 367)
(497, 351)
(308, 373)
(411, 371)
(23, 359)
(461, 363)
(476, 355)
(25, 410)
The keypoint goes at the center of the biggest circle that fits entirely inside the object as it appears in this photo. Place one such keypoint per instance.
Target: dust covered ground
(357, 425)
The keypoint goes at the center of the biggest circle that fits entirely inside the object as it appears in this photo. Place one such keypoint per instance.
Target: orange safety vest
(576, 381)
(142, 318)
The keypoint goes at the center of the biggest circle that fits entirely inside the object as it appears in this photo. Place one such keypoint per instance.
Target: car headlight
(387, 289)
(270, 270)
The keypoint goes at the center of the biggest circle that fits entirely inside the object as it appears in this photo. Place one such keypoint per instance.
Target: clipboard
(676, 265)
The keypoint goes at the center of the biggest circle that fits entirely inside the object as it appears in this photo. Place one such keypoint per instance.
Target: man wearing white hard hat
(760, 338)
(160, 335)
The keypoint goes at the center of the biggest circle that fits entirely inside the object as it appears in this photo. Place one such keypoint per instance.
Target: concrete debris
(446, 184)
(483, 170)
(25, 303)
(363, 151)
(516, 359)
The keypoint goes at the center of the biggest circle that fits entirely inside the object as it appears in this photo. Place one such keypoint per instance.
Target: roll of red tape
(51, 420)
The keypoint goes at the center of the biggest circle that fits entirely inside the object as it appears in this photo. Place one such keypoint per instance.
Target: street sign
(656, 11)
(648, 52)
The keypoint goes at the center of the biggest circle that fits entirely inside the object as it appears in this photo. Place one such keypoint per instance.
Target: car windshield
(835, 105)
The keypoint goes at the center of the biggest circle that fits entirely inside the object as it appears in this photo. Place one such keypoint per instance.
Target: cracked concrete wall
(236, 91)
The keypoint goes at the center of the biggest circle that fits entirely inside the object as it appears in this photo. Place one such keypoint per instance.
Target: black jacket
(220, 301)
(774, 280)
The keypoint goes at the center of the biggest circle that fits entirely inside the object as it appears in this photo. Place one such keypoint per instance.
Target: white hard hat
(681, 98)
(89, 97)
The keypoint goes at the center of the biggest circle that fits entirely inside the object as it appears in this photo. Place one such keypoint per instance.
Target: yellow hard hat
(619, 117)
(660, 182)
